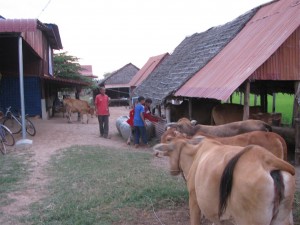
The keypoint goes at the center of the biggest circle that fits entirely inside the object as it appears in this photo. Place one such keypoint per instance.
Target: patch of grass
(93, 185)
(13, 172)
(284, 104)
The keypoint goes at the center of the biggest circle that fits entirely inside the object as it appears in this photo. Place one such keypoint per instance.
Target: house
(30, 43)
(117, 84)
(87, 71)
(258, 53)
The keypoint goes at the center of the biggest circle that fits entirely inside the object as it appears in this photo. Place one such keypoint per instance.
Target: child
(130, 122)
(139, 122)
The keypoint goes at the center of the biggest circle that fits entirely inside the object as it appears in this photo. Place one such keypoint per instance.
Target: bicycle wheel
(30, 129)
(7, 137)
(2, 147)
(12, 125)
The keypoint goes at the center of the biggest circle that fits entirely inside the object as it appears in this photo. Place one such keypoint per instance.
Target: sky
(108, 34)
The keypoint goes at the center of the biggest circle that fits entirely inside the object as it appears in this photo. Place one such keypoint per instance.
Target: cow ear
(160, 149)
(196, 140)
(194, 122)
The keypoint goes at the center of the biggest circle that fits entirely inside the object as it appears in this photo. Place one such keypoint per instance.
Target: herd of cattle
(236, 171)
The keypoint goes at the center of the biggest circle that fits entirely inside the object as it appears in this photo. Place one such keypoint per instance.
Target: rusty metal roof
(192, 54)
(31, 25)
(150, 65)
(87, 71)
(253, 45)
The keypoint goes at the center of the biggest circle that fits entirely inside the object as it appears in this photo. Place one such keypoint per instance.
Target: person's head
(141, 100)
(148, 101)
(102, 90)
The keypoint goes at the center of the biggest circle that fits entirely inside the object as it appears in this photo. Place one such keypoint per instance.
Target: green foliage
(67, 67)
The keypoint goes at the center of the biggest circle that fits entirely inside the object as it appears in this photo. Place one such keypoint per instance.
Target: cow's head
(180, 152)
(184, 125)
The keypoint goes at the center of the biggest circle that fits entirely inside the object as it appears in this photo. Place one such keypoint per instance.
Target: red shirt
(130, 120)
(101, 103)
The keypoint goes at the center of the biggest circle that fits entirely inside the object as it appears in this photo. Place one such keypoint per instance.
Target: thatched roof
(121, 77)
(192, 54)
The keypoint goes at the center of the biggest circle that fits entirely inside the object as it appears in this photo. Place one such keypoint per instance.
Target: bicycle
(6, 138)
(14, 123)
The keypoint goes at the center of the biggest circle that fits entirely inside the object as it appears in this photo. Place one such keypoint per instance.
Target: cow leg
(195, 212)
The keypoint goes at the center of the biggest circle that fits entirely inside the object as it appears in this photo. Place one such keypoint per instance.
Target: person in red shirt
(147, 114)
(130, 122)
(102, 111)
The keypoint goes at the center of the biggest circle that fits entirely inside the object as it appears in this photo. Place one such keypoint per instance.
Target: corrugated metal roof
(254, 44)
(87, 71)
(192, 54)
(143, 73)
(31, 25)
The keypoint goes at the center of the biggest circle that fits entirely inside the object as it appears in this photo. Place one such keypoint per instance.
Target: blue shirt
(137, 119)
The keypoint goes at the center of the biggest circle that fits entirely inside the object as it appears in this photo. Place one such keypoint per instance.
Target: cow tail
(227, 180)
(278, 190)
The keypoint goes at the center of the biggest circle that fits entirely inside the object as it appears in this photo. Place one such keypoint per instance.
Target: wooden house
(26, 49)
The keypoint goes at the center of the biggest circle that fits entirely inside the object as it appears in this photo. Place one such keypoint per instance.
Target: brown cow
(271, 141)
(77, 105)
(227, 113)
(248, 184)
(184, 125)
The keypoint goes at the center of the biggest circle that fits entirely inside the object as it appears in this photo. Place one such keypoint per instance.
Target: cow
(184, 125)
(227, 113)
(271, 141)
(77, 105)
(246, 184)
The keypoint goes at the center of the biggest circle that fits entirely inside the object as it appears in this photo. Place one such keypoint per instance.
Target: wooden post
(246, 101)
(274, 103)
(296, 116)
(190, 108)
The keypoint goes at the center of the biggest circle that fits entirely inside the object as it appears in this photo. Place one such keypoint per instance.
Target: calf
(77, 105)
(248, 184)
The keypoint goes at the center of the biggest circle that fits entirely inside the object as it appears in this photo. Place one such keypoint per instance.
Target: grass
(13, 172)
(284, 104)
(97, 185)
(93, 185)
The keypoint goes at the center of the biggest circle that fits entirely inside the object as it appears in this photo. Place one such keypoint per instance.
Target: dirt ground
(55, 134)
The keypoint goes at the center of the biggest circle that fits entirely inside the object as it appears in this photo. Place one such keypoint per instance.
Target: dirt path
(52, 135)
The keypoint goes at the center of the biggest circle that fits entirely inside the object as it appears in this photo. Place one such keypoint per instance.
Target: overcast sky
(109, 34)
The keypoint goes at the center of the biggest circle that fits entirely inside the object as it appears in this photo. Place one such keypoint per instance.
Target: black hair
(141, 98)
(148, 100)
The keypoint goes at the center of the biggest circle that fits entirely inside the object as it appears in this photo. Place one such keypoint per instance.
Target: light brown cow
(77, 105)
(271, 141)
(248, 184)
(184, 125)
(227, 113)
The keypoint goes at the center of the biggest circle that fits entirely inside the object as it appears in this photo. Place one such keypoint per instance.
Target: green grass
(93, 185)
(284, 104)
(13, 172)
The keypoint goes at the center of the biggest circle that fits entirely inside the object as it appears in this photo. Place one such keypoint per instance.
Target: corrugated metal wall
(10, 94)
(284, 63)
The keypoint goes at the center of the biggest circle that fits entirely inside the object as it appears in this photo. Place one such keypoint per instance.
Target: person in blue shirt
(139, 123)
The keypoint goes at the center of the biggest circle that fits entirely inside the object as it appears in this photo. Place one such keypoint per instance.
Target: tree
(67, 67)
